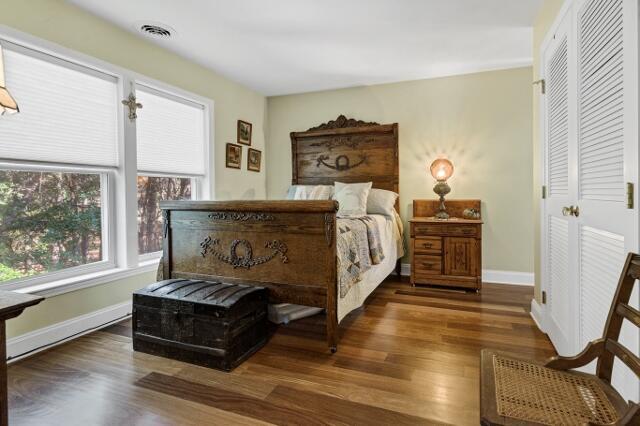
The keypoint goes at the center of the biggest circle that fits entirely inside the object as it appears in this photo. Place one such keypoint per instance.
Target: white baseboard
(492, 276)
(55, 334)
(507, 277)
(536, 314)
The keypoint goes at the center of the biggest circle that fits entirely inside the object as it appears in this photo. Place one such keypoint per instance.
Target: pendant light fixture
(8, 105)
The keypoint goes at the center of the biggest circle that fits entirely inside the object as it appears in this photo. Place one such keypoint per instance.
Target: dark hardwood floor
(410, 356)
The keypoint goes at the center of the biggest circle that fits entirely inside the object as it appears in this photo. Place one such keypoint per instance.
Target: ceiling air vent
(156, 30)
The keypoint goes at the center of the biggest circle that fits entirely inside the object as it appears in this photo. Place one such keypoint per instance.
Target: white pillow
(310, 192)
(381, 201)
(352, 198)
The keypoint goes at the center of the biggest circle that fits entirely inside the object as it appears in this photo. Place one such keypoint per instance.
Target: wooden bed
(286, 246)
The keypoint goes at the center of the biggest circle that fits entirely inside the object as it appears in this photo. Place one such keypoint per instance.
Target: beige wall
(482, 122)
(545, 18)
(71, 27)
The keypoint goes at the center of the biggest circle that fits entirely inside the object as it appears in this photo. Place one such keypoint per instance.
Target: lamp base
(442, 215)
(442, 188)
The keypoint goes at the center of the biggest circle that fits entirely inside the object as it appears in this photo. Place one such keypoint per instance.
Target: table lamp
(441, 170)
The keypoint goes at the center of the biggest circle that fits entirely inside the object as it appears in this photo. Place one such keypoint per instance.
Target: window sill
(66, 285)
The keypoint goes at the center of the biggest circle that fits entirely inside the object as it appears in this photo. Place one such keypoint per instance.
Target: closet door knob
(571, 211)
(575, 211)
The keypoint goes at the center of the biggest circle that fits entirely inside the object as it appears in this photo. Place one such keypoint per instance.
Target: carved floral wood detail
(337, 143)
(328, 228)
(165, 222)
(245, 259)
(342, 122)
(241, 216)
(341, 163)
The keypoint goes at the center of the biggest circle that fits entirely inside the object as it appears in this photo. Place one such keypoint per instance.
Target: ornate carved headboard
(346, 150)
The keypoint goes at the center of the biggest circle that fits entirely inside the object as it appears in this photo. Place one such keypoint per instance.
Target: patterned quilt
(359, 246)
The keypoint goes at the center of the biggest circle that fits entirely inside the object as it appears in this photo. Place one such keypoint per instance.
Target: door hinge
(629, 195)
(544, 297)
(543, 85)
(544, 192)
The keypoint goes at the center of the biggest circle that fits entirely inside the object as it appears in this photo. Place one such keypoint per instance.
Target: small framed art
(253, 160)
(234, 156)
(244, 132)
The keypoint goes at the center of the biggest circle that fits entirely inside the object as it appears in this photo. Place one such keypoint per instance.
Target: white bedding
(391, 239)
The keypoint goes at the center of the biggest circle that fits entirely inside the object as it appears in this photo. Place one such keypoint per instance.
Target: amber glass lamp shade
(441, 169)
(8, 105)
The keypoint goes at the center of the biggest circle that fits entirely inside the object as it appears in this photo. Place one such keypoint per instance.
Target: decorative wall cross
(133, 106)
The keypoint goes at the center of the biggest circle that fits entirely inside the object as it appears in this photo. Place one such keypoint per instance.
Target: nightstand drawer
(448, 229)
(427, 265)
(427, 245)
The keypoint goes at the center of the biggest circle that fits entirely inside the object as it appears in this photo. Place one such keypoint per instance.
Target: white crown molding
(493, 276)
(56, 334)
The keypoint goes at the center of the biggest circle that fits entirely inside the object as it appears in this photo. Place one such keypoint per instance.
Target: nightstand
(446, 252)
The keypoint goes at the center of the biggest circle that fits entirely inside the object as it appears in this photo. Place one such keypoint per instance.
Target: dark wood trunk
(207, 323)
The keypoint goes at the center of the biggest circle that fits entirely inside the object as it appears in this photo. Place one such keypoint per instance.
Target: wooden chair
(517, 392)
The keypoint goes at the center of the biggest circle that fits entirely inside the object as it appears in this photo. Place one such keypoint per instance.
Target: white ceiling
(290, 46)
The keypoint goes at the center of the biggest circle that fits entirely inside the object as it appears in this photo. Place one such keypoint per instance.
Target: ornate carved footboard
(286, 246)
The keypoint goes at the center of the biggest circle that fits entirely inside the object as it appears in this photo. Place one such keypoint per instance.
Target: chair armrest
(592, 351)
(631, 416)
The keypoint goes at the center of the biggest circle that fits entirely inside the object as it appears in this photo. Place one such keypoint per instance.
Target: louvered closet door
(607, 134)
(559, 257)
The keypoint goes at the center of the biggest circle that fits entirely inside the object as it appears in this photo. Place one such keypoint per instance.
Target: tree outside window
(151, 190)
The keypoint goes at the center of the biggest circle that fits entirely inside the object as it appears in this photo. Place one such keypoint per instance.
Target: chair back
(620, 310)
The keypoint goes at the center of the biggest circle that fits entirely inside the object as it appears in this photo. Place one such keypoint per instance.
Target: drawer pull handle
(428, 265)
(467, 231)
(427, 245)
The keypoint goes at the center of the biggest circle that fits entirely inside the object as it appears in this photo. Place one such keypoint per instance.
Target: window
(71, 159)
(152, 189)
(55, 156)
(49, 221)
(171, 158)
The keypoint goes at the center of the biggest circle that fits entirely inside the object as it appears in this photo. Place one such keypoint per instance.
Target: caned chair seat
(518, 392)
(525, 393)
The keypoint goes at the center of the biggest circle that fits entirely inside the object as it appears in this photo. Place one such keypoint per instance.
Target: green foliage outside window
(48, 221)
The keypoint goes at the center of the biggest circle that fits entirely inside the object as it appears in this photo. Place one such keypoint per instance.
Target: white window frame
(118, 185)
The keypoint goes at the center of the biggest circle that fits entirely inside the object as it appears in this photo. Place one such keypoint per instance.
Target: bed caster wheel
(333, 349)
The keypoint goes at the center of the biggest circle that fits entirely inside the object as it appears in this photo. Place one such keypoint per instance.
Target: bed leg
(398, 268)
(332, 328)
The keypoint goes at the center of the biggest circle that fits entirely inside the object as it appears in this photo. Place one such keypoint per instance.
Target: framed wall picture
(253, 160)
(244, 132)
(234, 156)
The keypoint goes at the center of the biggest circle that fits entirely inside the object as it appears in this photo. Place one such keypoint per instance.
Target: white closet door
(559, 231)
(607, 159)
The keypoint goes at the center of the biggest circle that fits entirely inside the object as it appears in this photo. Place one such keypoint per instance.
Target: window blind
(68, 113)
(170, 134)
